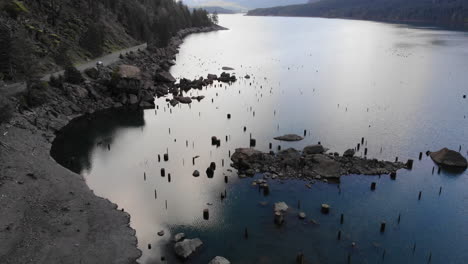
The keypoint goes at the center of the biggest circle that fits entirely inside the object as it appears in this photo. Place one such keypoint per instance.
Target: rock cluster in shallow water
(311, 163)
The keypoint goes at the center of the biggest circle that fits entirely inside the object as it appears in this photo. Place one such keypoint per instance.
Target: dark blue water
(398, 87)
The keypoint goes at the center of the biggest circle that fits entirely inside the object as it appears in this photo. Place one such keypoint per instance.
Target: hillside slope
(450, 13)
(41, 36)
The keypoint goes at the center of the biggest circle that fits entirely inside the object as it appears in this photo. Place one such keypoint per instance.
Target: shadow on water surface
(74, 144)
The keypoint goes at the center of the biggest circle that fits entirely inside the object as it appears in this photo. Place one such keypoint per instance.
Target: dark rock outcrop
(314, 149)
(164, 77)
(349, 153)
(449, 158)
(185, 248)
(291, 163)
(289, 137)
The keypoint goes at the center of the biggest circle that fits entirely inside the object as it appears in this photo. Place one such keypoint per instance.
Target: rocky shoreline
(49, 214)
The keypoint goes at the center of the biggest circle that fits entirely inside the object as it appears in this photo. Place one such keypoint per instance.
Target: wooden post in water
(373, 185)
(300, 258)
(409, 164)
(382, 227)
(339, 234)
(419, 197)
(342, 219)
(253, 142)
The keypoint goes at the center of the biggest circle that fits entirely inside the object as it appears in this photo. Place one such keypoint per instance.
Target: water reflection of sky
(319, 75)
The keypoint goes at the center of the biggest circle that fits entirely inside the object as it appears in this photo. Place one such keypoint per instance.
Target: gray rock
(302, 215)
(183, 100)
(174, 102)
(132, 99)
(289, 137)
(212, 77)
(281, 207)
(164, 76)
(92, 72)
(219, 260)
(349, 153)
(326, 167)
(187, 247)
(179, 237)
(161, 233)
(314, 149)
(128, 78)
(449, 158)
(243, 153)
(225, 68)
(196, 173)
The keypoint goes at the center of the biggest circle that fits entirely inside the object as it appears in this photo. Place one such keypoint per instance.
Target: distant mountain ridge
(450, 13)
(242, 5)
(219, 10)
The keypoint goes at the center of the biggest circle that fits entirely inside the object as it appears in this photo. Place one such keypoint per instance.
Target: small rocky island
(310, 163)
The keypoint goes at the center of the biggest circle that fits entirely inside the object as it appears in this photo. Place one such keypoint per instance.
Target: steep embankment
(449, 13)
(41, 36)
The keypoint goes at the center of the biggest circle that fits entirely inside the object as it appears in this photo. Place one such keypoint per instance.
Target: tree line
(58, 32)
(450, 13)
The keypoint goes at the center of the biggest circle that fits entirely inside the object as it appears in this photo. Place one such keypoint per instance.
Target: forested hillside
(41, 35)
(450, 13)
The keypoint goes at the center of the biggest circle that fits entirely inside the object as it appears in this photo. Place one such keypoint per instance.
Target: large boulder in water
(314, 149)
(187, 247)
(243, 154)
(183, 100)
(349, 153)
(449, 158)
(289, 137)
(281, 207)
(219, 260)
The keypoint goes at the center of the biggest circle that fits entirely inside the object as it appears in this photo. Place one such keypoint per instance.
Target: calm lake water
(398, 87)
